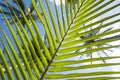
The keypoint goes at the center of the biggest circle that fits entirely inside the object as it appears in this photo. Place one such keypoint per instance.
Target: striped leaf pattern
(74, 29)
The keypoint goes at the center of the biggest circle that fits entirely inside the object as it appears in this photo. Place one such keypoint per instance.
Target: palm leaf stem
(60, 43)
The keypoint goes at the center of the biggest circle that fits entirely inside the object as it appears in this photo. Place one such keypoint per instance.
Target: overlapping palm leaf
(65, 34)
(8, 11)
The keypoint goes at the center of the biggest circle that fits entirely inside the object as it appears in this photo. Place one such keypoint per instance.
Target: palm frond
(68, 34)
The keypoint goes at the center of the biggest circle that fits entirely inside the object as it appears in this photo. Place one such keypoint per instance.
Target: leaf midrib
(61, 41)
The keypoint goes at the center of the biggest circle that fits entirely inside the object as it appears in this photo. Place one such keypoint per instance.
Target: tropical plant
(68, 35)
(8, 6)
(96, 32)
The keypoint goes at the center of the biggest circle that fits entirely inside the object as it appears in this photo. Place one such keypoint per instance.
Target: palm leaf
(8, 10)
(67, 36)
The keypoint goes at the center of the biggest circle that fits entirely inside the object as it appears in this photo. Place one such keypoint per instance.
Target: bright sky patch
(58, 2)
